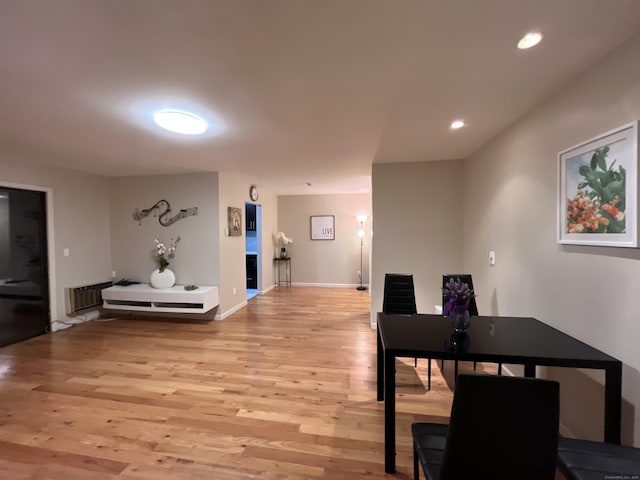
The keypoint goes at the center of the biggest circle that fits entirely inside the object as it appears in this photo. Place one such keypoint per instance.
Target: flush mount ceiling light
(456, 124)
(531, 39)
(180, 122)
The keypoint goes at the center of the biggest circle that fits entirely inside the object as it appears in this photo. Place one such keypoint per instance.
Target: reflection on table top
(516, 338)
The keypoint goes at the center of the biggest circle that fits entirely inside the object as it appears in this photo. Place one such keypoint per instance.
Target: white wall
(510, 207)
(325, 262)
(80, 222)
(196, 260)
(417, 227)
(269, 202)
(92, 217)
(234, 192)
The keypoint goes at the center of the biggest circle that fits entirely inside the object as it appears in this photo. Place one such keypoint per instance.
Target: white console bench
(144, 298)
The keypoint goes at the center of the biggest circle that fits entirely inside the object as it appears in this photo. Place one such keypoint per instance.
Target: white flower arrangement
(161, 250)
(283, 240)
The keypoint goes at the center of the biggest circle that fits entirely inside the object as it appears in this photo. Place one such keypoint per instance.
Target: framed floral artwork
(323, 227)
(598, 190)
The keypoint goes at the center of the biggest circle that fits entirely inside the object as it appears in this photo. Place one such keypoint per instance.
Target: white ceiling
(308, 90)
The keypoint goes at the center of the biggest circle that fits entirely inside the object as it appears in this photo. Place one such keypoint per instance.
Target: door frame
(258, 231)
(51, 251)
(259, 245)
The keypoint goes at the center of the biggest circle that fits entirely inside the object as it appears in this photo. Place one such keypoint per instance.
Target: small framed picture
(323, 227)
(597, 190)
(234, 218)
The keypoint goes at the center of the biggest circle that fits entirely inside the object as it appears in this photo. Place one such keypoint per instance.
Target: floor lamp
(361, 219)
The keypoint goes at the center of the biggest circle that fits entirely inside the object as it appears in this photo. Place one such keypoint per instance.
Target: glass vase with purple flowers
(457, 307)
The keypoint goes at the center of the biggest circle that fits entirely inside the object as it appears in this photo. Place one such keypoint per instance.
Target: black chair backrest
(399, 294)
(502, 428)
(464, 278)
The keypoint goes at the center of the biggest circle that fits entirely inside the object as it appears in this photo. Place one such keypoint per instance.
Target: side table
(279, 263)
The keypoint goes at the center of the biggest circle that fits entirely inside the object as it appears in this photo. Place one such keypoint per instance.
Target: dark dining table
(514, 340)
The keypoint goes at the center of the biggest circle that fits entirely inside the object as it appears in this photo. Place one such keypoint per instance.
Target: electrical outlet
(65, 252)
(492, 329)
(492, 258)
(234, 290)
(113, 274)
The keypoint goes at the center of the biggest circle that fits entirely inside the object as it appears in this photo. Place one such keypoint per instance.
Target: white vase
(164, 279)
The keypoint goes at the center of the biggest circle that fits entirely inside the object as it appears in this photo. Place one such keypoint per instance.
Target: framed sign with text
(323, 227)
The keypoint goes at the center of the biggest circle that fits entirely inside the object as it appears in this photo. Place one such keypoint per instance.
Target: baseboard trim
(565, 432)
(222, 316)
(328, 285)
(266, 290)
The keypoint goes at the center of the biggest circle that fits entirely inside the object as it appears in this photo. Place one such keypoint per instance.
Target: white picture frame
(323, 227)
(598, 190)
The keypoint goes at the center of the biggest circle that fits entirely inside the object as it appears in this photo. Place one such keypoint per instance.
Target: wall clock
(253, 193)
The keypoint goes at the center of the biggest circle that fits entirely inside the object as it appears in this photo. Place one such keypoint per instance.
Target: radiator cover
(86, 296)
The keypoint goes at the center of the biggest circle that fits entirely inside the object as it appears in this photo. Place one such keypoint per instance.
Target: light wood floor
(284, 388)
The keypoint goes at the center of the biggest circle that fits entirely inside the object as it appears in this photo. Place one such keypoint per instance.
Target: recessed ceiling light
(531, 39)
(180, 122)
(456, 124)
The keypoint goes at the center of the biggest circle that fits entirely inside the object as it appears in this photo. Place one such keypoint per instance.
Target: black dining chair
(400, 299)
(591, 460)
(501, 428)
(473, 307)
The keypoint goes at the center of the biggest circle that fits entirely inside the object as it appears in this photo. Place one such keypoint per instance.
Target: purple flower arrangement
(459, 295)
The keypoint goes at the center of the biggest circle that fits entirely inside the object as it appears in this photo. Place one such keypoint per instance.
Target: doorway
(24, 279)
(253, 250)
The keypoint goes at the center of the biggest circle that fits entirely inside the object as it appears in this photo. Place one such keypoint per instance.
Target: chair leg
(416, 470)
(416, 362)
(455, 371)
(474, 366)
(500, 369)
(429, 376)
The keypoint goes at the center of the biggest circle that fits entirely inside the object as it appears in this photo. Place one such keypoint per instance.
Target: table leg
(389, 413)
(530, 370)
(613, 403)
(380, 367)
